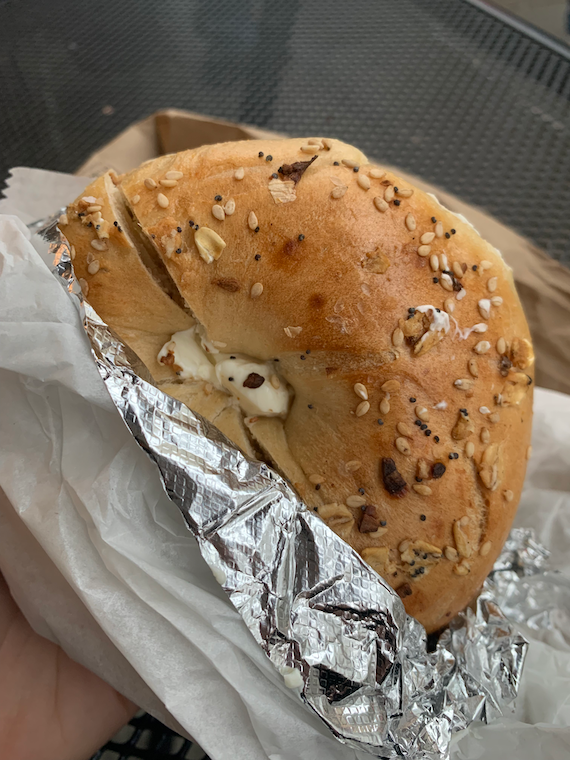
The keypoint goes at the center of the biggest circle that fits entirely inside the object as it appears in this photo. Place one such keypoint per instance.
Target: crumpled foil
(336, 632)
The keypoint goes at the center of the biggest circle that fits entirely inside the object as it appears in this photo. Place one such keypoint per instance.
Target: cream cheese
(254, 384)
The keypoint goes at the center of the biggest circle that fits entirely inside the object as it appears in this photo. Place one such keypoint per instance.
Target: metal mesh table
(442, 88)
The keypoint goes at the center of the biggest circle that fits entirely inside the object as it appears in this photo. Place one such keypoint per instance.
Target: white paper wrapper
(120, 583)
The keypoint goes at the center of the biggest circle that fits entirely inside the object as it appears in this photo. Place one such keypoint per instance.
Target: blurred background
(553, 16)
(470, 95)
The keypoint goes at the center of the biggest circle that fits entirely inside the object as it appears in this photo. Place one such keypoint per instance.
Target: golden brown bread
(408, 430)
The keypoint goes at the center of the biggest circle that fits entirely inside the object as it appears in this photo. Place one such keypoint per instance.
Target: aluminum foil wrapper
(339, 636)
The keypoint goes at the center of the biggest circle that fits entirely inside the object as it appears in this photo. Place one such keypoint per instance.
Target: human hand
(51, 708)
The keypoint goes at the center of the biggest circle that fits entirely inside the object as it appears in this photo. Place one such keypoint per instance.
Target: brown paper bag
(543, 284)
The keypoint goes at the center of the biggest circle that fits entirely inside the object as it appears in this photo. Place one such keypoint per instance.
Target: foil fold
(337, 634)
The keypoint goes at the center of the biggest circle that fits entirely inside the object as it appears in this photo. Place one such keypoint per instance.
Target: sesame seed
(356, 169)
(301, 237)
(318, 487)
(384, 406)
(397, 202)
(501, 346)
(380, 203)
(257, 256)
(412, 400)
(453, 232)
(427, 432)
(275, 175)
(410, 222)
(423, 427)
(190, 222)
(239, 173)
(451, 554)
(168, 182)
(355, 501)
(423, 491)
(218, 212)
(275, 382)
(353, 465)
(252, 220)
(433, 219)
(377, 173)
(434, 262)
(174, 175)
(449, 306)
(310, 406)
(447, 235)
(231, 379)
(424, 250)
(339, 191)
(457, 269)
(405, 192)
(423, 518)
(473, 368)
(389, 194)
(179, 250)
(361, 391)
(336, 163)
(84, 285)
(427, 238)
(93, 267)
(269, 158)
(436, 438)
(422, 413)
(482, 347)
(362, 408)
(256, 229)
(302, 357)
(492, 284)
(497, 301)
(179, 229)
(217, 197)
(508, 495)
(474, 267)
(403, 446)
(162, 200)
(529, 452)
(462, 293)
(99, 245)
(404, 429)
(439, 230)
(469, 449)
(397, 337)
(486, 264)
(418, 423)
(485, 549)
(446, 282)
(435, 280)
(150, 183)
(380, 422)
(363, 181)
(315, 479)
(495, 417)
(256, 290)
(479, 328)
(260, 154)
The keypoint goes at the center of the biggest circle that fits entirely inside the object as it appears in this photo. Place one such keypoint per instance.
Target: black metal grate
(440, 88)
(146, 738)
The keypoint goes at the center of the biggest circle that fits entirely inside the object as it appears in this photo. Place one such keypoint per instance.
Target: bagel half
(394, 380)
